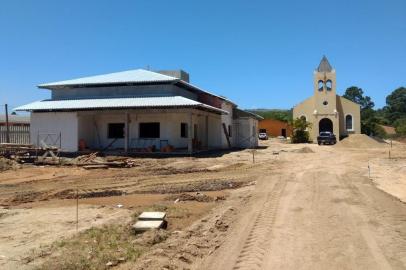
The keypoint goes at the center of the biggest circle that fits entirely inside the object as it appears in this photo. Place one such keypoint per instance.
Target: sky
(259, 54)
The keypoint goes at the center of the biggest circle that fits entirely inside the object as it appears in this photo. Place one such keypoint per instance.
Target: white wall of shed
(245, 130)
(55, 123)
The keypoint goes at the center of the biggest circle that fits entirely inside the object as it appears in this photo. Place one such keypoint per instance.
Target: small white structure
(150, 220)
(138, 110)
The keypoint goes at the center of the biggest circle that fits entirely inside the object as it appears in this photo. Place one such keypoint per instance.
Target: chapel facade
(326, 110)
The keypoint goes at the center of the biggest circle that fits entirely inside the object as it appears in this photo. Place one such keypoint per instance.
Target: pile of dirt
(71, 194)
(199, 197)
(197, 186)
(359, 141)
(172, 170)
(304, 150)
(24, 197)
(7, 164)
(151, 237)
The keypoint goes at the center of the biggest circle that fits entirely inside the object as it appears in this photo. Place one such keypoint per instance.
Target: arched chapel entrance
(325, 124)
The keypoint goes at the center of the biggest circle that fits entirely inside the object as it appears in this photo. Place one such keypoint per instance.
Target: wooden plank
(227, 135)
(93, 167)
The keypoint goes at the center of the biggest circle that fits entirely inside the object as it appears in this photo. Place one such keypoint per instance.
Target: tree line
(392, 114)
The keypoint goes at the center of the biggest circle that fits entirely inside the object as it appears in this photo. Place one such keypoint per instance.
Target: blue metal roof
(130, 76)
(137, 76)
(117, 103)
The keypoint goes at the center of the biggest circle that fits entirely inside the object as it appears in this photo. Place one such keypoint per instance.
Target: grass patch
(94, 248)
(110, 245)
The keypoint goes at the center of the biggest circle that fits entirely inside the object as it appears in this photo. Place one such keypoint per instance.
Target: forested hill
(278, 114)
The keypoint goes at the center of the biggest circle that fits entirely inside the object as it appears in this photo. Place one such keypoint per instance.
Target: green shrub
(400, 126)
(300, 130)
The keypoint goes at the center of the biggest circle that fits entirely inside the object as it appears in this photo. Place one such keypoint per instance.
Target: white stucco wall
(245, 130)
(53, 124)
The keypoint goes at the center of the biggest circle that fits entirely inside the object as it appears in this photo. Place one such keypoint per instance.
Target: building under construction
(138, 111)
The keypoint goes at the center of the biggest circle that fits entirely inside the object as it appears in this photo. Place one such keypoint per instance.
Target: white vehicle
(262, 136)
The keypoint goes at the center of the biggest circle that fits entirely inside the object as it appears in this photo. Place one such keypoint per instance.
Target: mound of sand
(359, 141)
(304, 150)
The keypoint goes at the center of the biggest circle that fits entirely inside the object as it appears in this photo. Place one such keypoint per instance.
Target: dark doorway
(283, 132)
(325, 124)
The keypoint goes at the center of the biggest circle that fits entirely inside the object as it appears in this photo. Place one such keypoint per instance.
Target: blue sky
(260, 54)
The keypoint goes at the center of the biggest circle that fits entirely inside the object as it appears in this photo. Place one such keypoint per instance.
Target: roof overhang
(173, 102)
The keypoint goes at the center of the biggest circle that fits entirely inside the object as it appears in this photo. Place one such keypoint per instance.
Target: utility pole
(7, 125)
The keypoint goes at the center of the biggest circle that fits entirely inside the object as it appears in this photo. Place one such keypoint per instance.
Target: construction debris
(7, 164)
(92, 161)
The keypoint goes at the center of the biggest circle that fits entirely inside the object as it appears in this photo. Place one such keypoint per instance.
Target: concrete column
(207, 131)
(190, 134)
(126, 132)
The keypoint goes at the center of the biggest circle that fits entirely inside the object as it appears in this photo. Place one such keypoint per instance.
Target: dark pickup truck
(326, 137)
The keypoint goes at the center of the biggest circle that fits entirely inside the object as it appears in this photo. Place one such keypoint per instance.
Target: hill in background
(278, 114)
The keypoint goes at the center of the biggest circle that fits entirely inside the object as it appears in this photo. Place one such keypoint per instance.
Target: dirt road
(295, 207)
(316, 211)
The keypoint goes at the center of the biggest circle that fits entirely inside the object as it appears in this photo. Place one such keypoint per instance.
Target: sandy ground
(296, 207)
(37, 205)
(320, 211)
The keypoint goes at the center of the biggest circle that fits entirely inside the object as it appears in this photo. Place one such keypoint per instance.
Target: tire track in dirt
(254, 249)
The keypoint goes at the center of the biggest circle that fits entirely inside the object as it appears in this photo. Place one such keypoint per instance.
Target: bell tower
(325, 88)
(325, 112)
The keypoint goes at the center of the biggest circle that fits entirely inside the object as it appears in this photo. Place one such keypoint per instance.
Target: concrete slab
(152, 216)
(144, 225)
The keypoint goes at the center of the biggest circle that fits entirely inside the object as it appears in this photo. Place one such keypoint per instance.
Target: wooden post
(77, 209)
(369, 171)
(7, 125)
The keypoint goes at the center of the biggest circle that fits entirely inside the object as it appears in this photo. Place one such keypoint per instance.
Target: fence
(19, 134)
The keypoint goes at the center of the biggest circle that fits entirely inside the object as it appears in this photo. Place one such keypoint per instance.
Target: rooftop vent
(180, 74)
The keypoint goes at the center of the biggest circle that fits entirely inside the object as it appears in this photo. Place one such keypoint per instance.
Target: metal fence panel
(19, 134)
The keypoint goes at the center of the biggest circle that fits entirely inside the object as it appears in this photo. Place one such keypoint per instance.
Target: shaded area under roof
(117, 103)
(324, 65)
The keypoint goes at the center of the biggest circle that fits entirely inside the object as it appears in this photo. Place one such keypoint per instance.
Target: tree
(396, 105)
(369, 120)
(300, 130)
(356, 95)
